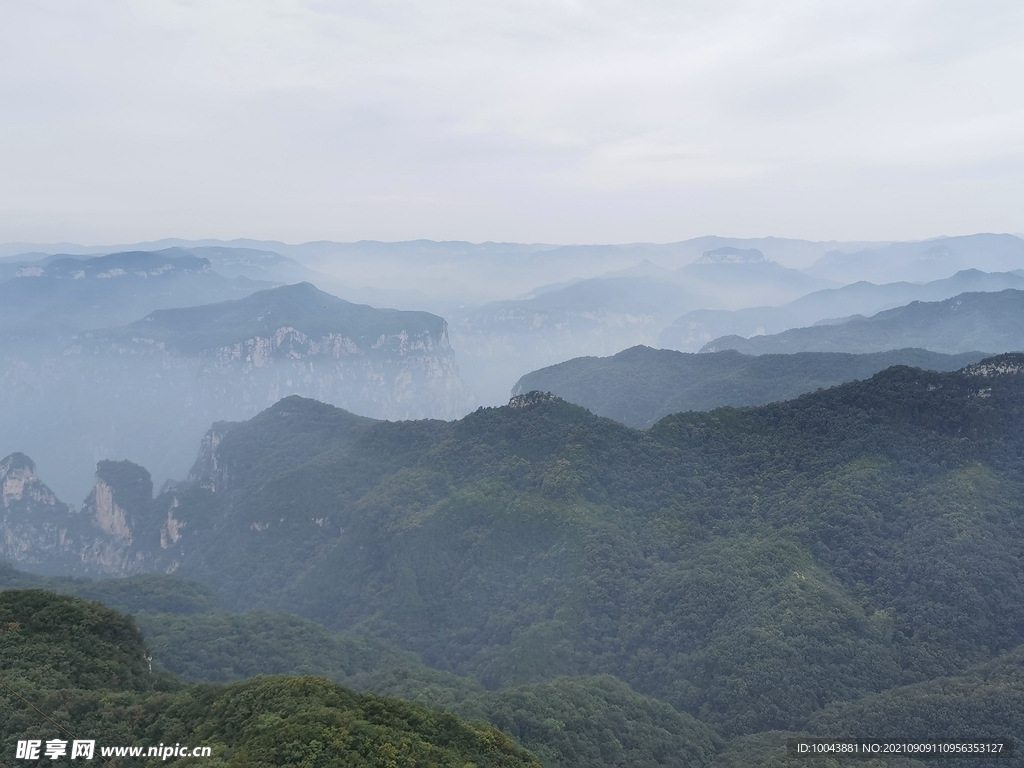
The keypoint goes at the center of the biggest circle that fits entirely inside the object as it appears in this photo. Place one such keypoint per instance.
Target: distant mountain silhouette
(694, 329)
(992, 322)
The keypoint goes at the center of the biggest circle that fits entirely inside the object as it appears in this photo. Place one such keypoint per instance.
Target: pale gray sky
(546, 121)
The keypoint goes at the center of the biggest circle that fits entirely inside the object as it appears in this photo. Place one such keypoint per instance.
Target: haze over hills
(643, 288)
(442, 276)
(739, 277)
(599, 316)
(151, 389)
(993, 322)
(498, 341)
(490, 291)
(480, 492)
(640, 386)
(922, 261)
(695, 329)
(48, 301)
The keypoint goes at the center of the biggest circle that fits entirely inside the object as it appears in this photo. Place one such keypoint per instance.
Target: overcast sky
(527, 121)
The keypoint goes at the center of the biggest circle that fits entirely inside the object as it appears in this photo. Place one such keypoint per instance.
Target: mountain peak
(536, 397)
(1001, 365)
(16, 461)
(729, 255)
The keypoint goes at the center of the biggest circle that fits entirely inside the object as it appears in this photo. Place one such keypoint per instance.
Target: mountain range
(649, 559)
(786, 567)
(989, 321)
(640, 386)
(603, 298)
(694, 329)
(501, 341)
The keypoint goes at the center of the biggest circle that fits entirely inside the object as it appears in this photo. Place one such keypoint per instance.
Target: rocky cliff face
(116, 525)
(33, 522)
(115, 532)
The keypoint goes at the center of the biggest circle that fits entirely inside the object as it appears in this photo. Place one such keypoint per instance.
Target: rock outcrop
(34, 523)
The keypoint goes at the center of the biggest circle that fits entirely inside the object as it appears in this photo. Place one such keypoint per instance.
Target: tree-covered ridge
(640, 386)
(758, 569)
(60, 642)
(567, 722)
(748, 566)
(72, 668)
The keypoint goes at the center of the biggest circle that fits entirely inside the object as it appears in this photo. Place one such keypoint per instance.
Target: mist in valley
(107, 362)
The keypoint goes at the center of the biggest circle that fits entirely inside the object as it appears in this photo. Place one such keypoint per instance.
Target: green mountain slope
(74, 669)
(639, 386)
(568, 723)
(754, 568)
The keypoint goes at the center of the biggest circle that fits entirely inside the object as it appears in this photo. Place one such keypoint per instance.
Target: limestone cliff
(114, 532)
(34, 524)
(116, 519)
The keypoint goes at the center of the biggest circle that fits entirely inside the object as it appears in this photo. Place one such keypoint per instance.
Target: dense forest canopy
(846, 562)
(76, 669)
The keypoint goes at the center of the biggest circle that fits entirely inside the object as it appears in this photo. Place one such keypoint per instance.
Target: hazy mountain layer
(455, 273)
(739, 277)
(750, 567)
(993, 322)
(501, 341)
(695, 329)
(923, 260)
(151, 389)
(45, 303)
(641, 385)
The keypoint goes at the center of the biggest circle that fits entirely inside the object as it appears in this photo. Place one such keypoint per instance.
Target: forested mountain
(71, 669)
(691, 331)
(639, 386)
(150, 389)
(761, 569)
(569, 723)
(991, 322)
